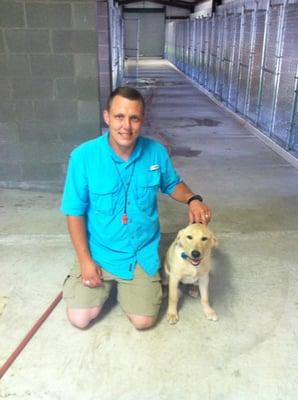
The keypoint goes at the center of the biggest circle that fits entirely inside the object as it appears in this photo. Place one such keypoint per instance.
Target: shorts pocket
(77, 295)
(69, 287)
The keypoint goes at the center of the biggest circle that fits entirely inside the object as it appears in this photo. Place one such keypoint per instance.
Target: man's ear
(106, 117)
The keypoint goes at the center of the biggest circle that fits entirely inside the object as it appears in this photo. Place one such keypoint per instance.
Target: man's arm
(89, 269)
(197, 211)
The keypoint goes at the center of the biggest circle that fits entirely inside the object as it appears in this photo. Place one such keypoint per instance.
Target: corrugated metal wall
(116, 28)
(247, 57)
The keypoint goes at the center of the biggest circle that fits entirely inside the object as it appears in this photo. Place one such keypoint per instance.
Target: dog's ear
(178, 237)
(179, 234)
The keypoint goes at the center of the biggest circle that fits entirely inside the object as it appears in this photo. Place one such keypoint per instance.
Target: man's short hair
(127, 92)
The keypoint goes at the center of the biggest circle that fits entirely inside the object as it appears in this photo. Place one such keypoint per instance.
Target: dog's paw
(211, 314)
(172, 318)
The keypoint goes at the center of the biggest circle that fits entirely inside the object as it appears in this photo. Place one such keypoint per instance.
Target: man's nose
(126, 124)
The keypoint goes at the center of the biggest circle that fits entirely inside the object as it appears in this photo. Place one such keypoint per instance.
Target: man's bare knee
(81, 324)
(142, 322)
(81, 318)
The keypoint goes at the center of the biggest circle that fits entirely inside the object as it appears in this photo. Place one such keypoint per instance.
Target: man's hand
(198, 212)
(91, 274)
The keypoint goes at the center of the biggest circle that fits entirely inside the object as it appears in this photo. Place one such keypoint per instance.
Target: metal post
(260, 91)
(251, 59)
(182, 43)
(192, 48)
(207, 58)
(291, 137)
(232, 63)
(195, 53)
(138, 49)
(219, 52)
(279, 52)
(187, 45)
(222, 58)
(211, 55)
(198, 44)
(201, 51)
(240, 52)
(199, 40)
(177, 33)
(174, 45)
(178, 44)
(122, 46)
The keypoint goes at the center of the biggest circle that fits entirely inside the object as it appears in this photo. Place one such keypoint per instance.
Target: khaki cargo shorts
(140, 296)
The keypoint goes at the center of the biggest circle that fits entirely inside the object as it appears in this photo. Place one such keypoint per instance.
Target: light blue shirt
(95, 188)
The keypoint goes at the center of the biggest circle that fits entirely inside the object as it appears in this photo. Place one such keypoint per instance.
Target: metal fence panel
(248, 58)
(244, 61)
(286, 96)
(269, 69)
(252, 109)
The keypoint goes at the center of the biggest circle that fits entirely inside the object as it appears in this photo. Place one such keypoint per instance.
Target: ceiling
(186, 4)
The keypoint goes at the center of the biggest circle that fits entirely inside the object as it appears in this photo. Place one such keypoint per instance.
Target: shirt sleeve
(75, 195)
(169, 176)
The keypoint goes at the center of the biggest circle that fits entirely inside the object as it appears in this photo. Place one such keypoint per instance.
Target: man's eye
(189, 237)
(135, 119)
(119, 117)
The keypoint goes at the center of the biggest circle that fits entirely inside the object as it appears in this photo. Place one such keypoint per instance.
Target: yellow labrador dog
(188, 260)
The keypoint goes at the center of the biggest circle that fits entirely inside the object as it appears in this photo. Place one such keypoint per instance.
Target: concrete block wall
(48, 88)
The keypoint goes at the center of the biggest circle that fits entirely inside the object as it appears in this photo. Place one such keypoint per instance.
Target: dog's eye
(204, 238)
(189, 237)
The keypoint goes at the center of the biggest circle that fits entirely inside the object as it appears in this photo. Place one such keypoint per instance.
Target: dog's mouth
(195, 262)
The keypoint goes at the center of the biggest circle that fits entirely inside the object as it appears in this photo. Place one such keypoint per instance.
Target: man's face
(125, 119)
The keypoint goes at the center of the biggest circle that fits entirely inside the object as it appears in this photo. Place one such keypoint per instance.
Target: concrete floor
(250, 353)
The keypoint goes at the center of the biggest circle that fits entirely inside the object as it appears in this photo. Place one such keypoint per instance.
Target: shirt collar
(134, 155)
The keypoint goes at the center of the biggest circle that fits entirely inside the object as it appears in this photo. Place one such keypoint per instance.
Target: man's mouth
(125, 134)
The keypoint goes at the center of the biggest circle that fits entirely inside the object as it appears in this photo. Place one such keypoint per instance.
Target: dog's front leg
(172, 314)
(208, 310)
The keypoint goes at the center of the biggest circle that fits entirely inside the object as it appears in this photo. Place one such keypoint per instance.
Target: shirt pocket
(103, 199)
(147, 189)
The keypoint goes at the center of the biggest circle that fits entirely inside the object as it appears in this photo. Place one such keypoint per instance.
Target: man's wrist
(195, 197)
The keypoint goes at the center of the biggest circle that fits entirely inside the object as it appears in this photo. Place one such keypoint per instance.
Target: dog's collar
(193, 262)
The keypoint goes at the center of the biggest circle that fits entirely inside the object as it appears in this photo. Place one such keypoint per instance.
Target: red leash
(29, 335)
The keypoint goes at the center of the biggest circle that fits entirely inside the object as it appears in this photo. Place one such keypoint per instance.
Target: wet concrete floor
(250, 353)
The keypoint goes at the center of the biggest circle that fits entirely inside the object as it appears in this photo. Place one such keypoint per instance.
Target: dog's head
(196, 242)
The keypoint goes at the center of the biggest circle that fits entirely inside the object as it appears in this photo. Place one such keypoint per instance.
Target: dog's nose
(195, 254)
